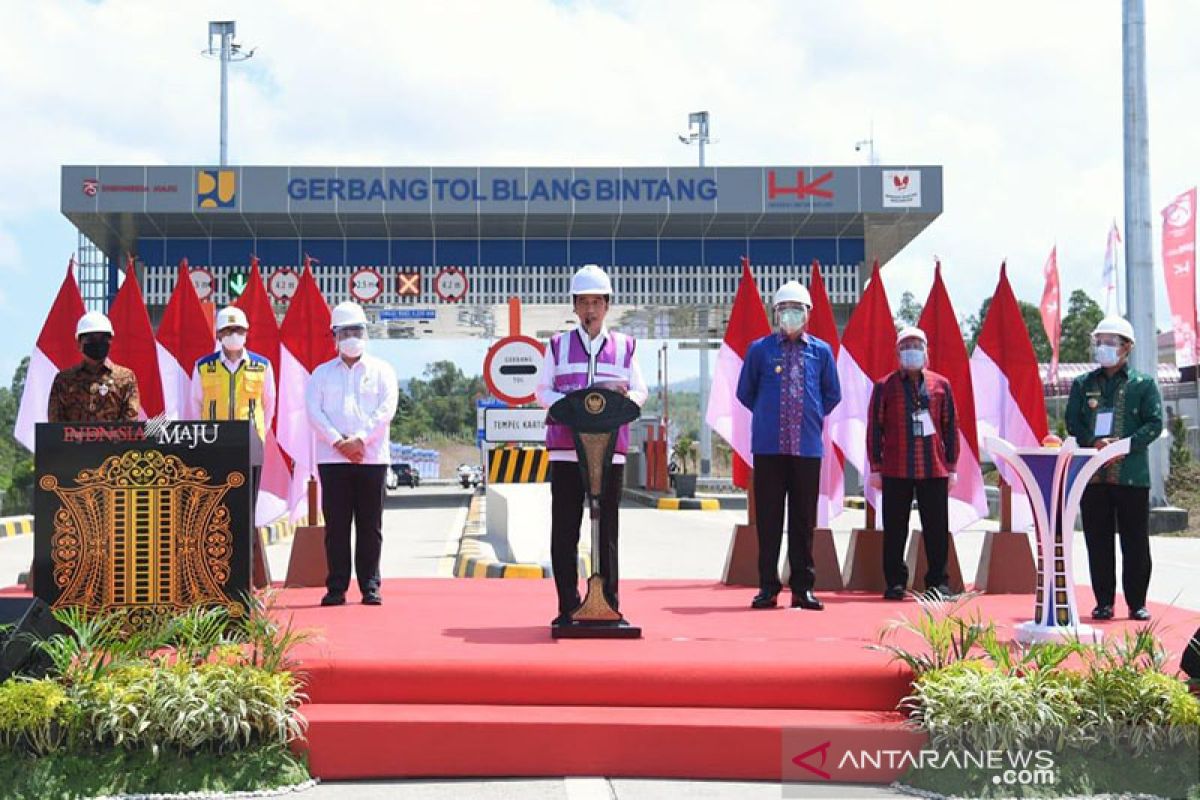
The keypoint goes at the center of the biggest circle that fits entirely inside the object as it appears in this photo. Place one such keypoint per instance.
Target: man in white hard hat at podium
(789, 382)
(95, 389)
(587, 355)
(351, 400)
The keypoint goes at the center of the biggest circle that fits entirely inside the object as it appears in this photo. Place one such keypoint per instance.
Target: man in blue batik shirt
(789, 382)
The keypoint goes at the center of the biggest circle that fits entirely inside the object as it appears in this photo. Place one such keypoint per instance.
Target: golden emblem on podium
(145, 532)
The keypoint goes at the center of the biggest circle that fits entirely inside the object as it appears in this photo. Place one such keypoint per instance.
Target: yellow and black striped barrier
(689, 504)
(518, 465)
(16, 526)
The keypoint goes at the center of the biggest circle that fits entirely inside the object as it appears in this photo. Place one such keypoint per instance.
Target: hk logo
(900, 182)
(802, 188)
(1179, 213)
(91, 186)
(803, 759)
(216, 188)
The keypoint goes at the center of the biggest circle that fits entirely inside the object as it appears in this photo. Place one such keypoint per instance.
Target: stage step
(360, 741)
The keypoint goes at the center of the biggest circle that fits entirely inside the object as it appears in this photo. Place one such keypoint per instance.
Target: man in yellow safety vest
(233, 383)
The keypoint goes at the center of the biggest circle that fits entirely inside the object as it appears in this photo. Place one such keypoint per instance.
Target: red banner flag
(1179, 268)
(822, 325)
(1052, 311)
(134, 345)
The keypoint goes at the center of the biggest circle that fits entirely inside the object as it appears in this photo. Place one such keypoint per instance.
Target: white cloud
(1020, 101)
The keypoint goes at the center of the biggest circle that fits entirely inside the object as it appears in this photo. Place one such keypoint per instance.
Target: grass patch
(71, 774)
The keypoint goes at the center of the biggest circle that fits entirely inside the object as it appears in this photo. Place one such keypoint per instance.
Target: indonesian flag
(184, 336)
(1051, 309)
(1009, 401)
(56, 349)
(822, 325)
(263, 338)
(305, 341)
(948, 356)
(867, 356)
(133, 344)
(726, 414)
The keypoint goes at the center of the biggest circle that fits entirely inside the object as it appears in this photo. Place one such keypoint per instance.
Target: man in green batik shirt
(1110, 403)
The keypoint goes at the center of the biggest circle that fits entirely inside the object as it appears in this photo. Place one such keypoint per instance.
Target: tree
(1082, 317)
(910, 310)
(1033, 325)
(442, 401)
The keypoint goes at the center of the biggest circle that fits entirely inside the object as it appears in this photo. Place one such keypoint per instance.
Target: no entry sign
(510, 369)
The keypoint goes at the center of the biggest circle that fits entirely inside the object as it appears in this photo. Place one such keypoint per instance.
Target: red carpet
(461, 678)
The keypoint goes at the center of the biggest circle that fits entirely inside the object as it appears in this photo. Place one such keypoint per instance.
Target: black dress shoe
(1140, 614)
(894, 593)
(941, 592)
(334, 599)
(1102, 612)
(807, 600)
(764, 600)
(372, 599)
(562, 619)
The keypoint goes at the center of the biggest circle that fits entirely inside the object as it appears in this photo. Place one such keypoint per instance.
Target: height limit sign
(510, 369)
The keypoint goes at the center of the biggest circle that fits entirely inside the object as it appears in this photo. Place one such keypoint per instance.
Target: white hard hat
(911, 332)
(1118, 325)
(93, 322)
(590, 279)
(793, 292)
(347, 315)
(232, 317)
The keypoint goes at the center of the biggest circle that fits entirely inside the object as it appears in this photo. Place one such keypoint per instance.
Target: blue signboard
(403, 314)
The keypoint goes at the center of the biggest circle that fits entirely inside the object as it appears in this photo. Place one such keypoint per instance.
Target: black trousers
(796, 482)
(933, 504)
(353, 493)
(566, 510)
(1107, 509)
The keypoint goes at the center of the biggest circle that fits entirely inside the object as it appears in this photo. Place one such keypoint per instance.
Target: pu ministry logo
(216, 188)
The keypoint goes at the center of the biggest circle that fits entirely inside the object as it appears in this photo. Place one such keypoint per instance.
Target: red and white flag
(948, 357)
(305, 342)
(726, 415)
(184, 336)
(1051, 309)
(134, 345)
(263, 338)
(56, 349)
(1009, 399)
(867, 355)
(1111, 260)
(1179, 268)
(822, 325)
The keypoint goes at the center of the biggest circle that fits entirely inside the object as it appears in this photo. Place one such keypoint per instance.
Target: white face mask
(1107, 355)
(233, 341)
(352, 347)
(792, 319)
(912, 359)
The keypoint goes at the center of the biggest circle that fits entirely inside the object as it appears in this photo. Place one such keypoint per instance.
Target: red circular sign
(510, 368)
(450, 284)
(283, 284)
(202, 279)
(366, 284)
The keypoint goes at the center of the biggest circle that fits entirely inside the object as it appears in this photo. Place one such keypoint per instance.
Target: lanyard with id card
(921, 422)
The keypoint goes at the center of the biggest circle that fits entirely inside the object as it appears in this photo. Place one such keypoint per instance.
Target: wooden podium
(150, 517)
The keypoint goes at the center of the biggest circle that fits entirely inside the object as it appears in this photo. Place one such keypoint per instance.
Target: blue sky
(1021, 103)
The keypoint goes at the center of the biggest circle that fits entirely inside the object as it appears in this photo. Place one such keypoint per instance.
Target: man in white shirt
(351, 401)
(587, 355)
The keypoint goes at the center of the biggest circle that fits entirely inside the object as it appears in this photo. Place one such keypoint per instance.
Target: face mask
(792, 319)
(233, 341)
(96, 349)
(352, 347)
(912, 359)
(1107, 355)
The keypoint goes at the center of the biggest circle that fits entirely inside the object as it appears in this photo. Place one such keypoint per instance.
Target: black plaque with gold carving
(595, 415)
(151, 518)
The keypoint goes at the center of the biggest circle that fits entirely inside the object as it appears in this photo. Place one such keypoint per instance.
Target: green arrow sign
(237, 284)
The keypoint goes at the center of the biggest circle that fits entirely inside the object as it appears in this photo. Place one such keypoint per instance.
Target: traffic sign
(283, 284)
(238, 281)
(408, 284)
(514, 424)
(511, 367)
(450, 284)
(366, 284)
(202, 279)
(481, 404)
(400, 314)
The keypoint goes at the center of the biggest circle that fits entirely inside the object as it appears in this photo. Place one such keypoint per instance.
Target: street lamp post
(698, 133)
(221, 46)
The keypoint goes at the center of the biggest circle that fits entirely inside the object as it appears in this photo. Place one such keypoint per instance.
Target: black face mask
(96, 349)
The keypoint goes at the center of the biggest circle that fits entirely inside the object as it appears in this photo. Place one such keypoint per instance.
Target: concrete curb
(16, 526)
(477, 558)
(281, 530)
(688, 504)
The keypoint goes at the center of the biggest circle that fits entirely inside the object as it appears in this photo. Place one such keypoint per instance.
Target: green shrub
(34, 715)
